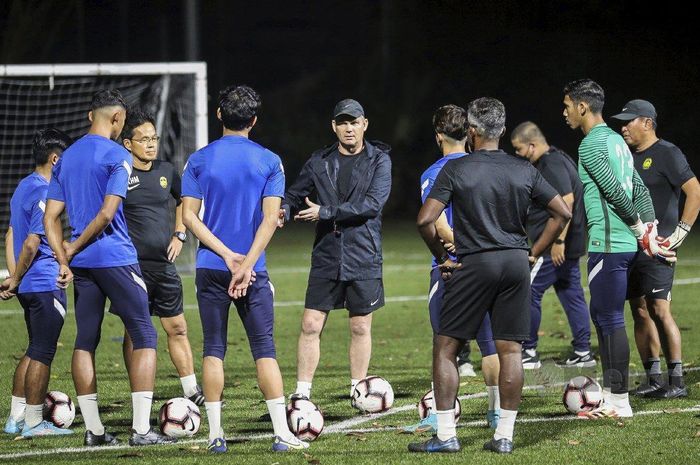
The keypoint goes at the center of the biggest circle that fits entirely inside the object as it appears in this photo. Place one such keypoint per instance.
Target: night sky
(400, 59)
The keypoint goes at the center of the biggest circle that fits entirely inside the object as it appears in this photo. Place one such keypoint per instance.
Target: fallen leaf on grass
(620, 424)
(354, 433)
(573, 442)
(697, 434)
(20, 438)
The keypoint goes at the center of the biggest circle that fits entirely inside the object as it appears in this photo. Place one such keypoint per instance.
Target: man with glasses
(148, 215)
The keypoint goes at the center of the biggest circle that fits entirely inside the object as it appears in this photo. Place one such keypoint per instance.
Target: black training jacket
(348, 244)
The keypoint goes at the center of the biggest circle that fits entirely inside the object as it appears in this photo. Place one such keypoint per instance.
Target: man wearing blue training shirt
(90, 182)
(241, 185)
(450, 125)
(32, 278)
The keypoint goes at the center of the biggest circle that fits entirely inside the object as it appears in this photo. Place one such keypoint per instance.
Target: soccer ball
(582, 394)
(305, 420)
(59, 409)
(426, 403)
(179, 418)
(373, 395)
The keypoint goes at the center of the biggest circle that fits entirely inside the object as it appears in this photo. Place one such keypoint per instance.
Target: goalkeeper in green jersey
(621, 220)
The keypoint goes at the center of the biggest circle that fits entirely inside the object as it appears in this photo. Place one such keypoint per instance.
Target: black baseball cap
(636, 108)
(348, 107)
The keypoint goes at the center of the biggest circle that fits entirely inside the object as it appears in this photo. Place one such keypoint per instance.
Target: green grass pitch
(669, 430)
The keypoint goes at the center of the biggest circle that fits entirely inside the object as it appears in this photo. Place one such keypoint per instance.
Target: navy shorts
(126, 290)
(607, 282)
(256, 311)
(495, 282)
(484, 338)
(650, 278)
(164, 291)
(44, 314)
(359, 297)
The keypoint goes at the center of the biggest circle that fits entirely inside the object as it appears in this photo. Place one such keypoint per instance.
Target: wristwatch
(181, 236)
(558, 241)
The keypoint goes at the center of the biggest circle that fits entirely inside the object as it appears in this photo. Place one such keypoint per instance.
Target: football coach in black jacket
(350, 181)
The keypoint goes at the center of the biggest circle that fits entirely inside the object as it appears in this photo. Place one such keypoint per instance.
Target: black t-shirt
(346, 163)
(664, 169)
(491, 192)
(148, 212)
(560, 171)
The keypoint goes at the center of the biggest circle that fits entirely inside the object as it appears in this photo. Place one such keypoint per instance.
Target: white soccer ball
(179, 418)
(427, 403)
(304, 418)
(373, 395)
(59, 409)
(582, 394)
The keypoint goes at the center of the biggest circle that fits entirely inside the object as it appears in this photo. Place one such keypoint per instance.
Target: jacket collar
(373, 148)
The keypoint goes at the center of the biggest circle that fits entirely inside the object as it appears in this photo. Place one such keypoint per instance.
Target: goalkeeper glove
(675, 240)
(646, 234)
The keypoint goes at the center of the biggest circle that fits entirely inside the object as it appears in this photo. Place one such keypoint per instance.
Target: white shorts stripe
(536, 269)
(139, 281)
(596, 269)
(433, 290)
(57, 305)
(272, 288)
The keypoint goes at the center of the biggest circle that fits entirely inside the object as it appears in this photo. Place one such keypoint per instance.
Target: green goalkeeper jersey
(613, 193)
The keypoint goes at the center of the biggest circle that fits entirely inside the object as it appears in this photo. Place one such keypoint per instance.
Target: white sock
(494, 397)
(141, 403)
(17, 407)
(214, 417)
(606, 395)
(189, 385)
(303, 388)
(617, 400)
(432, 386)
(34, 415)
(506, 423)
(91, 414)
(581, 353)
(278, 415)
(446, 427)
(353, 383)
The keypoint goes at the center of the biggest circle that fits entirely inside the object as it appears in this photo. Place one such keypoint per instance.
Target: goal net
(34, 97)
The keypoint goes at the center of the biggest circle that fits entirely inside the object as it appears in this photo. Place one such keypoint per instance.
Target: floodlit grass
(401, 354)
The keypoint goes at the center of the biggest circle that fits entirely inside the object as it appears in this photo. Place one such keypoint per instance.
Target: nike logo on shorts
(654, 291)
(374, 302)
(131, 188)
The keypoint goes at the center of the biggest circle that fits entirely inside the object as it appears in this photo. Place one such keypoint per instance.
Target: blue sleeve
(426, 185)
(55, 188)
(190, 182)
(36, 223)
(274, 187)
(118, 172)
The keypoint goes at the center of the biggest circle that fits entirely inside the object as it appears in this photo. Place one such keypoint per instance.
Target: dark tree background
(400, 59)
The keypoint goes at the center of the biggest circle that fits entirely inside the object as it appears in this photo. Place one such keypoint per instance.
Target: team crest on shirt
(647, 164)
(163, 182)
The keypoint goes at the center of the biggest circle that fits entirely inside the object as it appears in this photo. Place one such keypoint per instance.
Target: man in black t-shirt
(559, 266)
(665, 171)
(152, 185)
(490, 192)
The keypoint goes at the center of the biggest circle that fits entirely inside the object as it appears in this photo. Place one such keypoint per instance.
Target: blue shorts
(126, 290)
(44, 314)
(484, 338)
(607, 282)
(256, 311)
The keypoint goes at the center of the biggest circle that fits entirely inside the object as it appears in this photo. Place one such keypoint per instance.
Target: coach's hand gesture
(240, 282)
(310, 214)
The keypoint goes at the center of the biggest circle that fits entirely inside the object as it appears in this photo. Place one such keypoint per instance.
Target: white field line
(390, 299)
(346, 426)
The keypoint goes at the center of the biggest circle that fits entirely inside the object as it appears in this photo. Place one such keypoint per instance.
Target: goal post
(34, 97)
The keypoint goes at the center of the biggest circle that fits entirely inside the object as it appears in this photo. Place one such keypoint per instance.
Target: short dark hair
(107, 98)
(588, 91)
(48, 141)
(451, 120)
(238, 105)
(527, 132)
(488, 116)
(135, 117)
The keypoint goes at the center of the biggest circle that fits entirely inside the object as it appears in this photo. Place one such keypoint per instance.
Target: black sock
(604, 358)
(618, 349)
(675, 373)
(652, 366)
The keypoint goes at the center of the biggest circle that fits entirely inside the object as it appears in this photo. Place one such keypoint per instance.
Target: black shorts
(164, 291)
(497, 282)
(361, 297)
(650, 278)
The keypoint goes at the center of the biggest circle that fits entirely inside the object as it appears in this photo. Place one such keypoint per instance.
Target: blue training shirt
(232, 175)
(427, 179)
(27, 217)
(90, 169)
